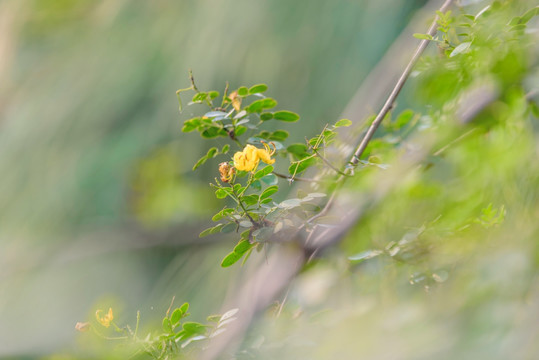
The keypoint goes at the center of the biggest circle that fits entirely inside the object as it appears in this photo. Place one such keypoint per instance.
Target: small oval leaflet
(229, 314)
(285, 115)
(259, 88)
(343, 122)
(269, 191)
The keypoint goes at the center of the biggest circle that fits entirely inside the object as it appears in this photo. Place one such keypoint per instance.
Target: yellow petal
(239, 161)
(265, 156)
(109, 316)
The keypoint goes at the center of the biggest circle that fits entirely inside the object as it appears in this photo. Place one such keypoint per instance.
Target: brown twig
(388, 105)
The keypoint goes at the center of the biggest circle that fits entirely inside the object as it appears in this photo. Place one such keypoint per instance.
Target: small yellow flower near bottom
(105, 320)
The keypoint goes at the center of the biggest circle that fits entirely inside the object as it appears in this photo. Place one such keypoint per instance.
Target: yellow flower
(105, 320)
(248, 159)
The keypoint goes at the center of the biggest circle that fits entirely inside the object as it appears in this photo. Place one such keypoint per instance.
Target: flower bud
(82, 326)
(227, 172)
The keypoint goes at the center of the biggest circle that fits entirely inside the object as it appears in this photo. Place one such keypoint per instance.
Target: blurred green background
(99, 204)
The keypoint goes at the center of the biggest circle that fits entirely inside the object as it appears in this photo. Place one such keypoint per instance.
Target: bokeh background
(99, 206)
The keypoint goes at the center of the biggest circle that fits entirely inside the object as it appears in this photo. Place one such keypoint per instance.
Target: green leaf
(213, 132)
(240, 115)
(213, 94)
(212, 152)
(243, 91)
(300, 150)
(238, 188)
(343, 122)
(403, 119)
(242, 247)
(270, 179)
(250, 199)
(176, 316)
(290, 203)
(300, 166)
(259, 88)
(229, 228)
(269, 191)
(514, 21)
(200, 161)
(245, 235)
(529, 15)
(259, 105)
(287, 116)
(240, 130)
(167, 326)
(220, 193)
(213, 318)
(212, 230)
(223, 213)
(264, 135)
(266, 116)
(231, 259)
(199, 97)
(263, 172)
(462, 48)
(423, 36)
(184, 308)
(257, 141)
(279, 135)
(194, 328)
(216, 115)
(365, 255)
(225, 149)
(191, 124)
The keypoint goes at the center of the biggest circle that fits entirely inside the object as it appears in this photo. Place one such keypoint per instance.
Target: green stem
(107, 337)
(240, 203)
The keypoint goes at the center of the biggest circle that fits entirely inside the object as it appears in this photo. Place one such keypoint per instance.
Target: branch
(388, 105)
(397, 89)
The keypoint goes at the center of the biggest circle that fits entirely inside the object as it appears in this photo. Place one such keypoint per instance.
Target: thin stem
(240, 203)
(170, 306)
(329, 164)
(388, 105)
(194, 87)
(107, 337)
(283, 176)
(454, 141)
(192, 80)
(225, 94)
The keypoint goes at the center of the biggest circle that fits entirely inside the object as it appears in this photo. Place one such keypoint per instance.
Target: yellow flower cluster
(248, 159)
(104, 320)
